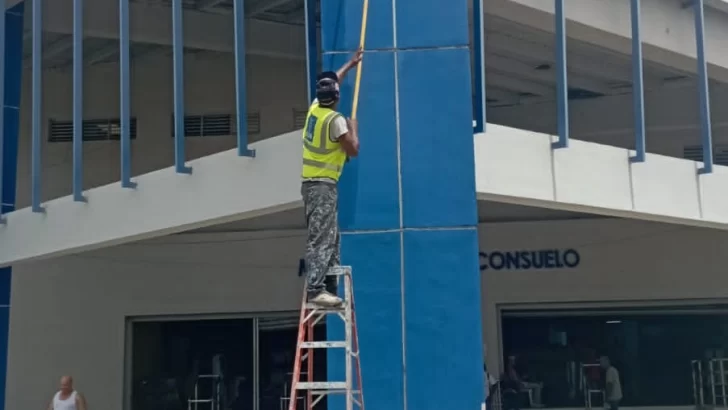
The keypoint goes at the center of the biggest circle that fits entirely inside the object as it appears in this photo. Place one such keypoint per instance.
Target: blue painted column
(13, 72)
(408, 209)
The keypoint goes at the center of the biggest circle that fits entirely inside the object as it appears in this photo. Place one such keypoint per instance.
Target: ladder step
(323, 345)
(321, 386)
(339, 271)
(313, 306)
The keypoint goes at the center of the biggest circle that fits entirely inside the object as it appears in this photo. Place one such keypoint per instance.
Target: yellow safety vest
(322, 158)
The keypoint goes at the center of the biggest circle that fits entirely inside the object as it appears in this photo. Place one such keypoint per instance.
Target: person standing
(613, 386)
(329, 139)
(67, 398)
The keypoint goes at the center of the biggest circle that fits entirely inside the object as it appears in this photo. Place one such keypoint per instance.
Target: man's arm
(50, 405)
(341, 73)
(81, 402)
(350, 140)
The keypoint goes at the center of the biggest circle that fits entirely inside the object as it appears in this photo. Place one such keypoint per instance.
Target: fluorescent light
(613, 322)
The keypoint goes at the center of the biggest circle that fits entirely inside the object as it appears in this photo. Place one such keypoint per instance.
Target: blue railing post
(638, 89)
(2, 112)
(78, 101)
(703, 88)
(125, 94)
(311, 48)
(479, 53)
(240, 92)
(36, 106)
(562, 85)
(179, 89)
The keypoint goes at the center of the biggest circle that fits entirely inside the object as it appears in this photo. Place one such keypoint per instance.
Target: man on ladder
(328, 140)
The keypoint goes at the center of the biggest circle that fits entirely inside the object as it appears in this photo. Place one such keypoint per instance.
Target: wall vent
(299, 118)
(216, 125)
(695, 153)
(108, 129)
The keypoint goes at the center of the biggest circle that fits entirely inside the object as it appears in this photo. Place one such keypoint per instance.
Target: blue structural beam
(12, 71)
(37, 103)
(240, 95)
(125, 94)
(312, 49)
(2, 113)
(179, 89)
(703, 88)
(638, 89)
(479, 56)
(407, 204)
(562, 84)
(78, 101)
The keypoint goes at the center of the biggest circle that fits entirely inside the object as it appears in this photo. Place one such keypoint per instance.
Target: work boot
(325, 299)
(332, 285)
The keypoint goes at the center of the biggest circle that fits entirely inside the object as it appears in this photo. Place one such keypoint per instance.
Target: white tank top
(68, 404)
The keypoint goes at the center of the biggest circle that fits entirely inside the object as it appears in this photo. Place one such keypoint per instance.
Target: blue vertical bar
(37, 102)
(240, 95)
(12, 76)
(179, 89)
(125, 94)
(78, 101)
(638, 89)
(311, 48)
(479, 50)
(2, 110)
(562, 87)
(705, 123)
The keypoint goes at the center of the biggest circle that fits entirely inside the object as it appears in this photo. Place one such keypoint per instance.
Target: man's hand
(355, 60)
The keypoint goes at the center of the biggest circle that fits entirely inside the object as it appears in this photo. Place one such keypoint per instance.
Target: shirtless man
(67, 398)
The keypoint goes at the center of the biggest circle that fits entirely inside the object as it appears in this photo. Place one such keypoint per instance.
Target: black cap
(327, 88)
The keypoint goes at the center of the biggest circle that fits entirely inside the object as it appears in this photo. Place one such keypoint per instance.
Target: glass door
(277, 353)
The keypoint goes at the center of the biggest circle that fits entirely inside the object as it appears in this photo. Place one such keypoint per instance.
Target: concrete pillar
(13, 72)
(408, 209)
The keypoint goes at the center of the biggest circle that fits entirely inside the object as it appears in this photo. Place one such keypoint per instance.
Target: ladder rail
(297, 364)
(309, 363)
(356, 346)
(348, 331)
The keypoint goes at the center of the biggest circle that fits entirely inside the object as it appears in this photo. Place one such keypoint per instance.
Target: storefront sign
(527, 260)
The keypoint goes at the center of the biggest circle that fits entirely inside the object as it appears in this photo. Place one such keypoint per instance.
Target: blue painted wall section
(408, 210)
(13, 71)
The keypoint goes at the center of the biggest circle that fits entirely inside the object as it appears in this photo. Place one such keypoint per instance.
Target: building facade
(543, 181)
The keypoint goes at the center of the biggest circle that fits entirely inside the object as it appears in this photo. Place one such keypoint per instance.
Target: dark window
(651, 351)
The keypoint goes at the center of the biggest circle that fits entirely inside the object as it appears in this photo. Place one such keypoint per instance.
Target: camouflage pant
(320, 200)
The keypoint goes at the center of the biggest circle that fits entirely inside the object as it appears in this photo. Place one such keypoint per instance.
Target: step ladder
(311, 315)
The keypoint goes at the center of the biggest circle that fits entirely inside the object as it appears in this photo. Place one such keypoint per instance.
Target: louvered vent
(253, 123)
(720, 153)
(216, 125)
(695, 153)
(299, 118)
(93, 130)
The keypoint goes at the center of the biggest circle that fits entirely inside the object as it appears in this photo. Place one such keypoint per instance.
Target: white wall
(275, 88)
(626, 262)
(69, 313)
(521, 167)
